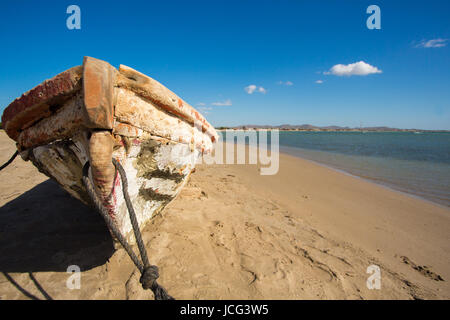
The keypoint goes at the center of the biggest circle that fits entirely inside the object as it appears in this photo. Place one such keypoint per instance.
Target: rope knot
(149, 277)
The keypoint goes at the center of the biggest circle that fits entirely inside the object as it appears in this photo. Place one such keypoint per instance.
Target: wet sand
(308, 232)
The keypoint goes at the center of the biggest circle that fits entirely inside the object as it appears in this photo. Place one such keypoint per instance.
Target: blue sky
(208, 52)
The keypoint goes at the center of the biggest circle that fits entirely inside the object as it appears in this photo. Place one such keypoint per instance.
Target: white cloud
(222, 103)
(201, 104)
(253, 88)
(433, 43)
(205, 110)
(319, 81)
(250, 89)
(353, 69)
(285, 83)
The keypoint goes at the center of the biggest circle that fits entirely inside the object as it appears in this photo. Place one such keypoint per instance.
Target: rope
(149, 273)
(9, 161)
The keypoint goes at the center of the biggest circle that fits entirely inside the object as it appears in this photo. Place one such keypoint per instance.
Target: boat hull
(96, 113)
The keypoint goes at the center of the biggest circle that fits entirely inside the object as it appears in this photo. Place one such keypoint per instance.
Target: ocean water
(418, 164)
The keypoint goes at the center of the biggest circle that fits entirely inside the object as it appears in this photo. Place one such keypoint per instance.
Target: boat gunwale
(65, 85)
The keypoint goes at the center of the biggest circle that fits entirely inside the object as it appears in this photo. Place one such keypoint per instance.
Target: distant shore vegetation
(308, 127)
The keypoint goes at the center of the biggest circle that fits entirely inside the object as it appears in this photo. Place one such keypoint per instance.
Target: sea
(417, 163)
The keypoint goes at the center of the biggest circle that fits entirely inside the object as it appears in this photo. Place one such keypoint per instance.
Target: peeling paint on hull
(156, 170)
(103, 113)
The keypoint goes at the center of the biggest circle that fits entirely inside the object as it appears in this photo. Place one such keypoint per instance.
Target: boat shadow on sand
(45, 229)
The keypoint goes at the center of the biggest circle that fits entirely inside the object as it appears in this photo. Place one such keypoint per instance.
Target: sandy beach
(308, 232)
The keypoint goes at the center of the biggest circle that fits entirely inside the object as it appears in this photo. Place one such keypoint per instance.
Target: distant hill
(309, 127)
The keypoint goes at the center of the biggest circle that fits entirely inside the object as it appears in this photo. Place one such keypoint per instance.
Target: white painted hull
(143, 125)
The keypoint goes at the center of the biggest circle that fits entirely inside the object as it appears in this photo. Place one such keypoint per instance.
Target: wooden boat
(95, 113)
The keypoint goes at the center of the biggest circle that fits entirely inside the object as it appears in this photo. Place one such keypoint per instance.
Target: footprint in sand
(424, 270)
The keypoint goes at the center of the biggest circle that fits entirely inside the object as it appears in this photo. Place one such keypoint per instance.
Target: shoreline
(390, 186)
(367, 179)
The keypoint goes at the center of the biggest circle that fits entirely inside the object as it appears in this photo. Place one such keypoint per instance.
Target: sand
(308, 232)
